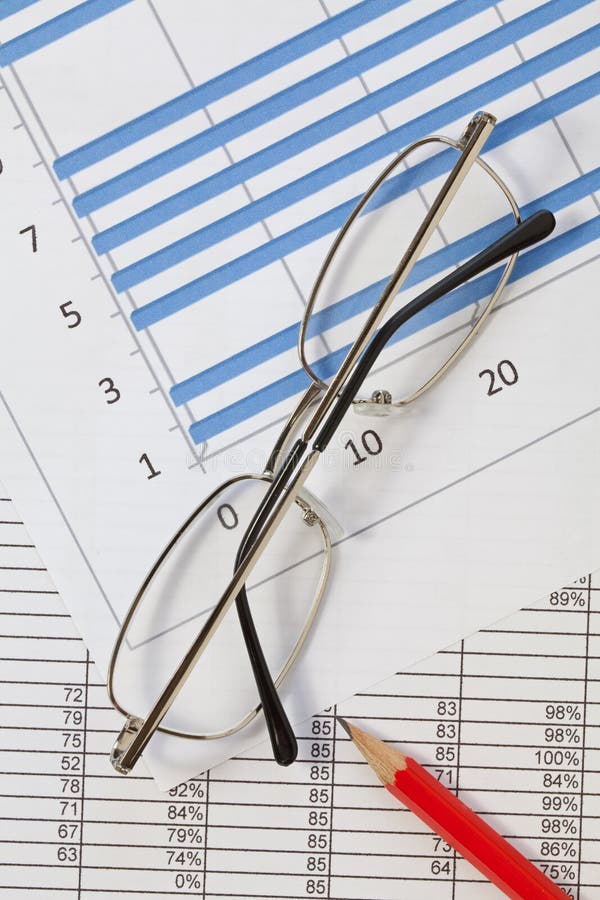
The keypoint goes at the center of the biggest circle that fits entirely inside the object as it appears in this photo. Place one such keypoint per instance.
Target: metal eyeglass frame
(287, 472)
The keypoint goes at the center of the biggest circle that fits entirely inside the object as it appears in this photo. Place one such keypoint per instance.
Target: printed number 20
(506, 371)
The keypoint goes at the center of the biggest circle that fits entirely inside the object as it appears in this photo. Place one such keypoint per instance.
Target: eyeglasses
(247, 570)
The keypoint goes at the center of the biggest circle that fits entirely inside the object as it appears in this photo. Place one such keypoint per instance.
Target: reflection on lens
(283, 592)
(371, 250)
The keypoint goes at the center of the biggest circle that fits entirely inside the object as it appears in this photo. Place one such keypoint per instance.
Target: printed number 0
(228, 517)
(507, 373)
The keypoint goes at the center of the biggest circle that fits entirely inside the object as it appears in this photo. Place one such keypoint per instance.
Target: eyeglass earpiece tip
(547, 221)
(285, 746)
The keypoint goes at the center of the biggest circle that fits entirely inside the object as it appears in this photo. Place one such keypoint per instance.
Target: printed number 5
(70, 314)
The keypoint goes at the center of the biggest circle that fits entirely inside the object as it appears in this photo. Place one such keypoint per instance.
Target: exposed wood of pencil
(383, 759)
(452, 820)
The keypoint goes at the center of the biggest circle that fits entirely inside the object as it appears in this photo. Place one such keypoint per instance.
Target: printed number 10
(371, 443)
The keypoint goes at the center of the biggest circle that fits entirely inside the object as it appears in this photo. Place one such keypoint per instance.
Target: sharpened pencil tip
(344, 725)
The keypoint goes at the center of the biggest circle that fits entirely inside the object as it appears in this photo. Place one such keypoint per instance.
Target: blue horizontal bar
(56, 28)
(10, 7)
(276, 153)
(222, 85)
(356, 303)
(256, 259)
(297, 381)
(235, 365)
(276, 105)
(309, 136)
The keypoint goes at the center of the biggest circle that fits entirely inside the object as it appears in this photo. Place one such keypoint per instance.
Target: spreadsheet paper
(509, 717)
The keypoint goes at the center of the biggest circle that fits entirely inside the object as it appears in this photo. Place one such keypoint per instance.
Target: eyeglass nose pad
(318, 508)
(380, 404)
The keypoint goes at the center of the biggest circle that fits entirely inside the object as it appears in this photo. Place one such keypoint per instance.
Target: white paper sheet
(523, 751)
(478, 504)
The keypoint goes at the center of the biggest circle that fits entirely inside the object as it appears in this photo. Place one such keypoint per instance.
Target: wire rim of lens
(364, 200)
(315, 606)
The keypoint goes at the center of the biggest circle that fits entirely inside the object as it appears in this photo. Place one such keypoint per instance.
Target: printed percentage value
(188, 881)
(185, 835)
(564, 599)
(560, 803)
(185, 859)
(566, 849)
(189, 790)
(561, 781)
(559, 872)
(192, 811)
(559, 827)
(563, 712)
(558, 758)
(560, 735)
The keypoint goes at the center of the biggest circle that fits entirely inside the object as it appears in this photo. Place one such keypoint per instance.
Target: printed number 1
(146, 461)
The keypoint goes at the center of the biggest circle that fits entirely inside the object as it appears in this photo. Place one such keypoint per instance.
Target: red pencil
(470, 836)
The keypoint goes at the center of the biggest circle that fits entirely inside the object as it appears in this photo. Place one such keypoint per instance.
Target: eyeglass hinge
(471, 126)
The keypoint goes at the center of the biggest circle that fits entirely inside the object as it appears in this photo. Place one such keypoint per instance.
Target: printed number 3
(112, 393)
